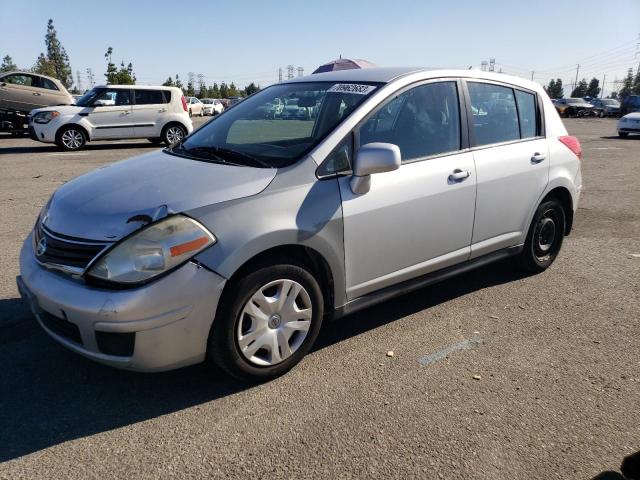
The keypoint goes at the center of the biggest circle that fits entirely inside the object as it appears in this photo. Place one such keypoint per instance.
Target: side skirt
(393, 291)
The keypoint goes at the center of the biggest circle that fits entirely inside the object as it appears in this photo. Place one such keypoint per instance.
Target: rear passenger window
(495, 118)
(167, 96)
(148, 97)
(527, 114)
(48, 84)
(423, 121)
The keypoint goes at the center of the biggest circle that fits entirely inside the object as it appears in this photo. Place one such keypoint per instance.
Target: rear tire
(202, 112)
(623, 134)
(190, 113)
(155, 140)
(71, 138)
(274, 335)
(544, 238)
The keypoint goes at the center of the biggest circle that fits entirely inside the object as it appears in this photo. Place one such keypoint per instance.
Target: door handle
(162, 110)
(538, 157)
(458, 175)
(36, 94)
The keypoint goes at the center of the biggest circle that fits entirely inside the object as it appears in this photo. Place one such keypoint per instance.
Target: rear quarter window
(148, 97)
(527, 114)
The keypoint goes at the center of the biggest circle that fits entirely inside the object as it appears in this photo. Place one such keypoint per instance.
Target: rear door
(112, 119)
(511, 157)
(148, 109)
(49, 93)
(418, 218)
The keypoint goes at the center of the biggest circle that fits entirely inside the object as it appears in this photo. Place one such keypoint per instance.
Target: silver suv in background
(114, 112)
(238, 242)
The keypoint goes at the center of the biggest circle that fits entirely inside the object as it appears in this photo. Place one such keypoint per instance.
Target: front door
(418, 218)
(511, 158)
(110, 114)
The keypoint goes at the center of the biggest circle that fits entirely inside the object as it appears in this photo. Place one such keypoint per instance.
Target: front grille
(61, 327)
(63, 250)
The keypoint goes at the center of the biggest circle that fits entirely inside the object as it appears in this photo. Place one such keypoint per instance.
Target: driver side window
(423, 121)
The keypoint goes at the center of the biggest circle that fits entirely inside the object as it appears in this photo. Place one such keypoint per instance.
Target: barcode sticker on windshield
(352, 88)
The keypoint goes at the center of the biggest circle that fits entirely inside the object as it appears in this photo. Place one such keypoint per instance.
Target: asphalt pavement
(494, 375)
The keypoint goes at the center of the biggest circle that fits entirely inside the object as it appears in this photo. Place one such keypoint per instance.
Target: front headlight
(152, 251)
(45, 117)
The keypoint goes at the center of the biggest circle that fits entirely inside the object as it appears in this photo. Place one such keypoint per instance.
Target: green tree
(593, 90)
(636, 83)
(190, 90)
(112, 70)
(7, 64)
(178, 82)
(233, 90)
(214, 91)
(580, 89)
(555, 89)
(168, 82)
(224, 90)
(202, 90)
(627, 86)
(251, 89)
(57, 55)
(44, 66)
(125, 75)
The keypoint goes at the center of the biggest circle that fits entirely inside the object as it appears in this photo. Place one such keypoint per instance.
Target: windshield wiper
(225, 155)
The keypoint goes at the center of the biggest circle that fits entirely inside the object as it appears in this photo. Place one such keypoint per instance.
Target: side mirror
(373, 158)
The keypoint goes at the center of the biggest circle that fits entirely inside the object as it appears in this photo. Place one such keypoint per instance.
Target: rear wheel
(71, 138)
(202, 112)
(544, 238)
(173, 133)
(267, 322)
(190, 113)
(623, 134)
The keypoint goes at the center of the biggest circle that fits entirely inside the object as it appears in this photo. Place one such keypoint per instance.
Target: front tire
(202, 112)
(71, 138)
(544, 238)
(267, 322)
(623, 134)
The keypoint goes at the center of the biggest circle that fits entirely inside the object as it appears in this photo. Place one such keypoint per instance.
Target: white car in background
(212, 106)
(195, 107)
(114, 112)
(630, 123)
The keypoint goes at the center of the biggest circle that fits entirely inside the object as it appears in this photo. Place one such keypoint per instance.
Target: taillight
(573, 144)
(184, 104)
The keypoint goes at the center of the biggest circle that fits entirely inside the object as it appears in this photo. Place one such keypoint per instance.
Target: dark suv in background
(630, 104)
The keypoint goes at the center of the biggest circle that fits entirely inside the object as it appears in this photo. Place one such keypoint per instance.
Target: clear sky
(248, 40)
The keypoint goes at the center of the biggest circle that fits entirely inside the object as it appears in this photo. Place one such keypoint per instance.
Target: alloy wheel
(72, 139)
(174, 135)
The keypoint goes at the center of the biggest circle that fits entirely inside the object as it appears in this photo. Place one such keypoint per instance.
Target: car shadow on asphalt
(49, 395)
(617, 137)
(41, 148)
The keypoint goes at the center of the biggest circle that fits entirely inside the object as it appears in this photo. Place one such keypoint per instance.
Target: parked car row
(596, 107)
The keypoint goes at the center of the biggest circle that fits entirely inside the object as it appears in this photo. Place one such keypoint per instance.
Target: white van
(114, 112)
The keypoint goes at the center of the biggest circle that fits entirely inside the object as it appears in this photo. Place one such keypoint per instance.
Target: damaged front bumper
(160, 326)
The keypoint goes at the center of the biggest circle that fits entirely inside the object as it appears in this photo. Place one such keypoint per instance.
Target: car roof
(390, 74)
(144, 87)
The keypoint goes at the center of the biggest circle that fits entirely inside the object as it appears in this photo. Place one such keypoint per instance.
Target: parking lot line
(475, 340)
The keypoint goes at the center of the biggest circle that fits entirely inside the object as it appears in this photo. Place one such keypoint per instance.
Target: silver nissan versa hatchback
(236, 243)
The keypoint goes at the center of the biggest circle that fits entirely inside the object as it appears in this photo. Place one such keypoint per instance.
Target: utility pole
(532, 72)
(604, 77)
(200, 81)
(577, 70)
(483, 65)
(300, 71)
(78, 82)
(280, 74)
(492, 64)
(289, 72)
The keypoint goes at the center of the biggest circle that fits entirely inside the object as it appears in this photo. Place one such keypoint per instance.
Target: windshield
(86, 99)
(207, 101)
(609, 102)
(575, 100)
(277, 125)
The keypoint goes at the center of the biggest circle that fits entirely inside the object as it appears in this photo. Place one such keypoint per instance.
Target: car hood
(634, 116)
(63, 109)
(111, 202)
